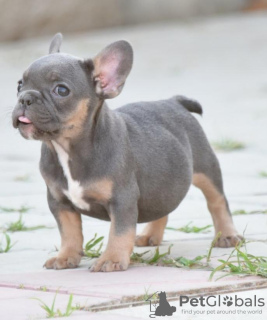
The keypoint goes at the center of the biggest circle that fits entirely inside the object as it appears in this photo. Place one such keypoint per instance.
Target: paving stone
(20, 304)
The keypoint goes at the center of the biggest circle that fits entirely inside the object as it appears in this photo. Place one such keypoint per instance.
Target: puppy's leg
(210, 182)
(152, 234)
(120, 245)
(70, 253)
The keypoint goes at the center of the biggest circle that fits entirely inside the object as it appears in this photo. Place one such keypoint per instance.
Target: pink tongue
(24, 119)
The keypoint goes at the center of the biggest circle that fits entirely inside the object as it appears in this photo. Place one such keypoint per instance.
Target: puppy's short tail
(190, 105)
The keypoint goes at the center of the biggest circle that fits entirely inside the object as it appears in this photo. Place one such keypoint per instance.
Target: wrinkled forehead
(54, 67)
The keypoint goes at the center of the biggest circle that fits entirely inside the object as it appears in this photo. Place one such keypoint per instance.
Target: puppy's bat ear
(111, 68)
(56, 43)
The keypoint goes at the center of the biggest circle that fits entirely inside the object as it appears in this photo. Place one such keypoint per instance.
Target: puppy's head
(57, 90)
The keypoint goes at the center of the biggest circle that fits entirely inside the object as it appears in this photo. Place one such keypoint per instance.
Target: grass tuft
(228, 145)
(164, 259)
(138, 257)
(43, 288)
(8, 245)
(153, 297)
(90, 251)
(157, 256)
(155, 259)
(240, 262)
(19, 225)
(244, 212)
(192, 229)
(51, 312)
(21, 209)
(182, 262)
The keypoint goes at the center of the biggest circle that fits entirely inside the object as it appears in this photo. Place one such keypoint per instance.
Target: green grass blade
(212, 246)
(54, 301)
(44, 306)
(219, 268)
(69, 308)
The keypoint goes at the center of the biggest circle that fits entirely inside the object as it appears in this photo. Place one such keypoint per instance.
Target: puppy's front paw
(108, 263)
(63, 262)
(229, 241)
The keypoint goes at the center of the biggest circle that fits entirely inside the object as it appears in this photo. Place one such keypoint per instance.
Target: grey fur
(190, 105)
(56, 43)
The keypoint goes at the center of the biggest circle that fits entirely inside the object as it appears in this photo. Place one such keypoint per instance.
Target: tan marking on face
(152, 234)
(216, 204)
(100, 190)
(74, 125)
(52, 76)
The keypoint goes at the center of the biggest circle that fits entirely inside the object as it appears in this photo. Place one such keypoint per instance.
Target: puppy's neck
(88, 126)
(76, 123)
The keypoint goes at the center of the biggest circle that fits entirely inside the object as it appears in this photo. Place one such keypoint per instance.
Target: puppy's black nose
(27, 98)
(26, 101)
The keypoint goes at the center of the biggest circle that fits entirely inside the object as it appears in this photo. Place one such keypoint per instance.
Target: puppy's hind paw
(229, 241)
(147, 241)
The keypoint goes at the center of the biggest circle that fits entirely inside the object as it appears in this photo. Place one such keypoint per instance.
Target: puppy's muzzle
(25, 100)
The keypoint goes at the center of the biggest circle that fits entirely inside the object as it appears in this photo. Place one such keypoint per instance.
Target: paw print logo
(228, 301)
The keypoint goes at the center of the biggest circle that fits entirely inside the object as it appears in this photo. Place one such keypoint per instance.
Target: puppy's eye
(62, 91)
(19, 86)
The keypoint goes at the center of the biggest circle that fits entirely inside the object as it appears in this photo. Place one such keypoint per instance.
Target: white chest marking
(75, 190)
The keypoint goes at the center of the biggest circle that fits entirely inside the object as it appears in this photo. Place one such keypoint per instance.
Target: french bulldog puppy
(134, 164)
